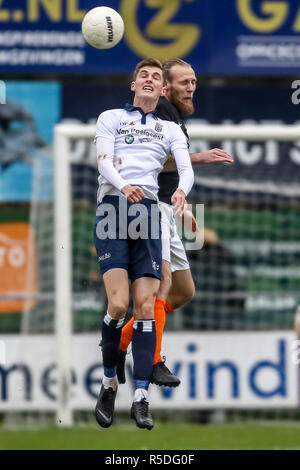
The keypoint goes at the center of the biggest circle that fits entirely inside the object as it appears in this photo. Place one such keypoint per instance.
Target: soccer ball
(102, 27)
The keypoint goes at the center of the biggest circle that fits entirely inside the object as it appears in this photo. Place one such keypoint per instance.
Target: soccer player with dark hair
(132, 146)
(177, 285)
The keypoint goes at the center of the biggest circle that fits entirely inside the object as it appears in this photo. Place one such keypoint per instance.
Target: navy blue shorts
(128, 235)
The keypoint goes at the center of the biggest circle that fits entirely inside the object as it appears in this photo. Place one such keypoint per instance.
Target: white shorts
(172, 247)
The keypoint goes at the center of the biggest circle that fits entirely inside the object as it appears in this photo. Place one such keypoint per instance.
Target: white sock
(139, 394)
(110, 382)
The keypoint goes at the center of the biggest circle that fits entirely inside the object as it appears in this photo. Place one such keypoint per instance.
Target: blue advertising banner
(228, 37)
(255, 37)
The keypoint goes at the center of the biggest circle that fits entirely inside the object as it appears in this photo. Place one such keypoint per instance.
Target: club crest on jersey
(129, 139)
(158, 127)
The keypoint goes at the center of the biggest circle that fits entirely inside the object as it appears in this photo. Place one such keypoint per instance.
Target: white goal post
(63, 135)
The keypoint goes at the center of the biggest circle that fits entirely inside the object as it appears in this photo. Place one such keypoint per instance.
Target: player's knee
(146, 311)
(189, 292)
(144, 308)
(117, 308)
(185, 295)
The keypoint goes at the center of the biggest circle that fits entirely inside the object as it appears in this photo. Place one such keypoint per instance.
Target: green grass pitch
(264, 436)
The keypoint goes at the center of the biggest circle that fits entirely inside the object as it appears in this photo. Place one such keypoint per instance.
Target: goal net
(247, 275)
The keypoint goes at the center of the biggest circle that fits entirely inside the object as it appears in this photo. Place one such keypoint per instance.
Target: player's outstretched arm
(212, 156)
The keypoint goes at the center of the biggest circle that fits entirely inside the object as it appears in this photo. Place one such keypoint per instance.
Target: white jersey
(138, 145)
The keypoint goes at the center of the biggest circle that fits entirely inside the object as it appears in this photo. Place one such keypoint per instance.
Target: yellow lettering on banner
(184, 36)
(296, 26)
(4, 14)
(73, 13)
(278, 12)
(51, 7)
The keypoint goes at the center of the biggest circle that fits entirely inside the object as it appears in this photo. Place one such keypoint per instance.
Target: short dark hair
(169, 64)
(149, 62)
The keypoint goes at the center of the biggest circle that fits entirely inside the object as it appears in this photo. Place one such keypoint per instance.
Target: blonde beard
(184, 108)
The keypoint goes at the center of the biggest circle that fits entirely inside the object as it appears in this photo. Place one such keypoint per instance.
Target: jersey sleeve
(105, 152)
(107, 124)
(185, 170)
(105, 139)
(177, 138)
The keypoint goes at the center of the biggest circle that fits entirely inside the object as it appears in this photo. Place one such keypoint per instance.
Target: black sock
(143, 349)
(111, 335)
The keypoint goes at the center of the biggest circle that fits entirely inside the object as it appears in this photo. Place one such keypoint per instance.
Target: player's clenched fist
(133, 193)
(178, 201)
